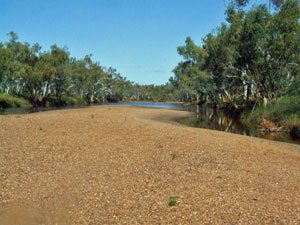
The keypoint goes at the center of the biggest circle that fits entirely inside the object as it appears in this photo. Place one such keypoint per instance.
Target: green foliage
(276, 3)
(56, 79)
(72, 101)
(66, 101)
(172, 201)
(293, 122)
(8, 101)
(254, 57)
(284, 112)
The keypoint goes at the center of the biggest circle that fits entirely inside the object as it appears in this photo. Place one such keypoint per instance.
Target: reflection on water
(208, 118)
(205, 117)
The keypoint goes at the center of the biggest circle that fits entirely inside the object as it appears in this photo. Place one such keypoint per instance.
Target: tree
(190, 75)
(252, 58)
(48, 77)
(276, 3)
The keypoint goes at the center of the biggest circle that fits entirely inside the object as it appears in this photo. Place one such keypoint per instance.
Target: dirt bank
(120, 165)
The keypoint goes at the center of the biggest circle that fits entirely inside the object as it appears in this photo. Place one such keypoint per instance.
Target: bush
(284, 112)
(112, 98)
(73, 101)
(66, 101)
(172, 200)
(293, 125)
(8, 101)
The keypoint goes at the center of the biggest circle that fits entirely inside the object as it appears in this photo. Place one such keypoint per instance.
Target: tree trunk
(92, 98)
(7, 90)
(249, 91)
(265, 101)
(198, 98)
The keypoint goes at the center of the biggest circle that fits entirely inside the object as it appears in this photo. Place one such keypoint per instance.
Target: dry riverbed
(121, 165)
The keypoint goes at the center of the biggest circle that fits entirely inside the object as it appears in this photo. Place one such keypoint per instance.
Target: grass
(73, 101)
(172, 201)
(283, 112)
(8, 101)
(173, 156)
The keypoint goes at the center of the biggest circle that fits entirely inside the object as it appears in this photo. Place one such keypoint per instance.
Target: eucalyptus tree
(285, 47)
(76, 70)
(89, 80)
(57, 59)
(24, 73)
(5, 59)
(269, 48)
(117, 83)
(236, 82)
(221, 55)
(253, 48)
(48, 76)
(190, 73)
(95, 83)
(17, 57)
(275, 3)
(254, 56)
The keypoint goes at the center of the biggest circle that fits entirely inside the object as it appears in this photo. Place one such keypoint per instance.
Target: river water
(202, 117)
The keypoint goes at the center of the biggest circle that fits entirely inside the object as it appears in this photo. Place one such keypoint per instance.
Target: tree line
(251, 59)
(55, 78)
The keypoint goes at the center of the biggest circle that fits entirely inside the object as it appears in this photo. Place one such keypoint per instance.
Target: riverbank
(283, 114)
(108, 165)
(8, 101)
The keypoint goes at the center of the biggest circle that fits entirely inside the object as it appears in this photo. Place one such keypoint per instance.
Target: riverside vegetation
(249, 66)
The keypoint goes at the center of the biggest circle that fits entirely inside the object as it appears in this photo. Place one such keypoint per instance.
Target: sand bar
(120, 165)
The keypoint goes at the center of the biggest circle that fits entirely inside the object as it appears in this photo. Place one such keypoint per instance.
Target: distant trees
(46, 77)
(54, 77)
(255, 56)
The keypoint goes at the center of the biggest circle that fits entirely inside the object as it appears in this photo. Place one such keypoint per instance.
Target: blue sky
(137, 37)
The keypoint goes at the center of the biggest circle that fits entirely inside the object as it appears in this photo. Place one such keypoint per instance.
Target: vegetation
(284, 112)
(279, 112)
(173, 156)
(7, 101)
(254, 57)
(172, 201)
(250, 62)
(54, 78)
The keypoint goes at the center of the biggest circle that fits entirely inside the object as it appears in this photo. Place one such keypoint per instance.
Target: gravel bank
(120, 165)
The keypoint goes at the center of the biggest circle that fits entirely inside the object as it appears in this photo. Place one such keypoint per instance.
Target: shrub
(284, 112)
(280, 111)
(73, 100)
(8, 101)
(66, 101)
(172, 200)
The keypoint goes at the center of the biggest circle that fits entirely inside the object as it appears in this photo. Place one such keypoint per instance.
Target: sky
(137, 37)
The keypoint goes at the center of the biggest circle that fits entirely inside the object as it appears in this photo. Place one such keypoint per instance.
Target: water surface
(163, 105)
(205, 117)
